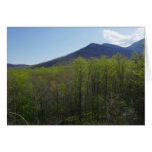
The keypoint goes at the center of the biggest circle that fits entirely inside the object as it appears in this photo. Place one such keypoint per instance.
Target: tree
(79, 75)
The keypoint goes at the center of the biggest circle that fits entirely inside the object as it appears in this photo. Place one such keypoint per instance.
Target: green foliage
(95, 91)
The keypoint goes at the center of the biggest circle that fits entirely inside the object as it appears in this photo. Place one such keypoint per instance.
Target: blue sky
(30, 45)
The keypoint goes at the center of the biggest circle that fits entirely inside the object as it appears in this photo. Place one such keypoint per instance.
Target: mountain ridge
(93, 50)
(16, 65)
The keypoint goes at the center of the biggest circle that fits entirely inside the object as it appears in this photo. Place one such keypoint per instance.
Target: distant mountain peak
(92, 50)
(16, 65)
(93, 45)
(109, 44)
(137, 46)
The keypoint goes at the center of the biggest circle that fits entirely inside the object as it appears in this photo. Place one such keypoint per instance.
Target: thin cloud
(123, 40)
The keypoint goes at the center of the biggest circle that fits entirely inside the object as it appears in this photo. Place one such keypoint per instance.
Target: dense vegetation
(95, 91)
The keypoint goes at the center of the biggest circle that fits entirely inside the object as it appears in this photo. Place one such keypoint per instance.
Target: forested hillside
(105, 91)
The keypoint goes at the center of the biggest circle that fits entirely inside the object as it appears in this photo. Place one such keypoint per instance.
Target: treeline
(95, 91)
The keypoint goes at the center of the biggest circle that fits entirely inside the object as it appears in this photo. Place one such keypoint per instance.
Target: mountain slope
(137, 46)
(92, 50)
(16, 65)
(96, 51)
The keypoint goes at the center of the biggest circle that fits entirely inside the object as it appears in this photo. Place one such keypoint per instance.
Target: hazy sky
(36, 45)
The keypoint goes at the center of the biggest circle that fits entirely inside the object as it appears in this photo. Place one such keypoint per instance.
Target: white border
(74, 13)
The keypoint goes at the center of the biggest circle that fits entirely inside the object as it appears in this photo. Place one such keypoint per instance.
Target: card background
(74, 13)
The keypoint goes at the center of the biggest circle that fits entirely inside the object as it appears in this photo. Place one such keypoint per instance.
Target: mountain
(16, 65)
(96, 51)
(137, 46)
(92, 50)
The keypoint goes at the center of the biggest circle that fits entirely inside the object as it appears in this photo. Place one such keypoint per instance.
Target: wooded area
(105, 91)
